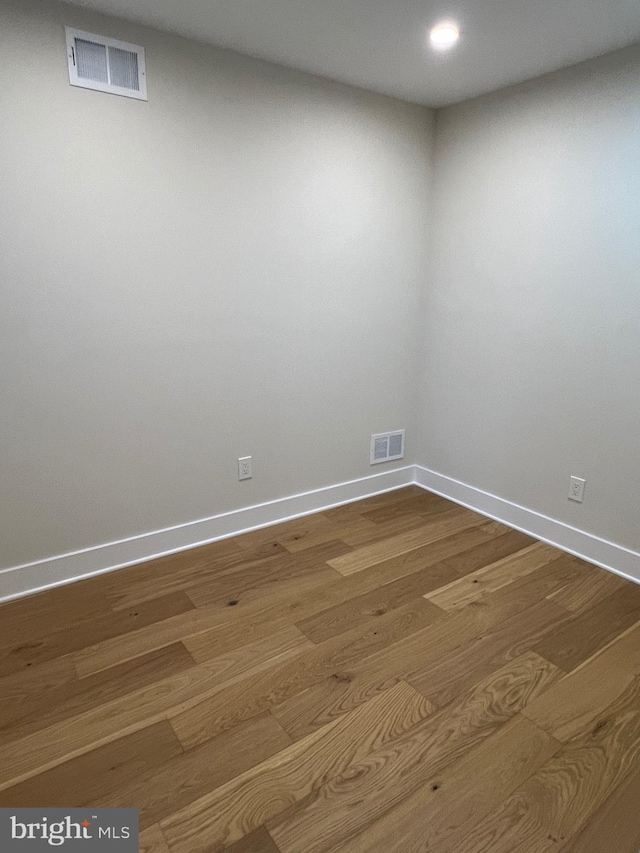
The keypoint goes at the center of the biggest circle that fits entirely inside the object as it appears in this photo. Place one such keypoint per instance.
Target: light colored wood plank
(347, 804)
(333, 697)
(452, 521)
(462, 591)
(361, 609)
(550, 807)
(442, 660)
(263, 615)
(444, 679)
(237, 808)
(452, 801)
(268, 651)
(592, 586)
(378, 532)
(415, 560)
(190, 775)
(583, 694)
(251, 696)
(107, 736)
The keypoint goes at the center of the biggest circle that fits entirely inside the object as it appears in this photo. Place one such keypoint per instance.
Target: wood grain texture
(377, 533)
(396, 674)
(249, 658)
(592, 629)
(29, 683)
(462, 591)
(443, 525)
(499, 544)
(19, 655)
(592, 586)
(461, 666)
(453, 799)
(365, 608)
(442, 659)
(583, 695)
(227, 619)
(258, 693)
(614, 825)
(57, 702)
(422, 504)
(550, 807)
(54, 744)
(302, 541)
(95, 775)
(265, 578)
(236, 809)
(187, 776)
(364, 792)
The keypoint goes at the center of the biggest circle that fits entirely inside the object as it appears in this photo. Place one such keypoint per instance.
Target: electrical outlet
(244, 468)
(576, 489)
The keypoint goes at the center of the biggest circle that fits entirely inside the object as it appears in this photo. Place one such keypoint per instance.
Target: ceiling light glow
(444, 35)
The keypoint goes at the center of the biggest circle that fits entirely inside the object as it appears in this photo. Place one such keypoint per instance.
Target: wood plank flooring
(398, 674)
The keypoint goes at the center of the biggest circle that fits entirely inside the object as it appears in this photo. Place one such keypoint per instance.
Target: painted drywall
(531, 327)
(233, 268)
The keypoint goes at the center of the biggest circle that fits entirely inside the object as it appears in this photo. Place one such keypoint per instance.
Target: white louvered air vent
(105, 64)
(386, 446)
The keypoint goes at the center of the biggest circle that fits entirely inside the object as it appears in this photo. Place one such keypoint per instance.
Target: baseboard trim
(18, 581)
(601, 552)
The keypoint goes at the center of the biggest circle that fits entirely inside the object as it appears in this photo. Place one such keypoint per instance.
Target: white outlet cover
(576, 489)
(244, 468)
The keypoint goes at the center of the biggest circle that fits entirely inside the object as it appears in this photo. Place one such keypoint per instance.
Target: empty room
(319, 418)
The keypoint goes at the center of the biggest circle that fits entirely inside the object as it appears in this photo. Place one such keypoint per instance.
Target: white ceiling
(382, 44)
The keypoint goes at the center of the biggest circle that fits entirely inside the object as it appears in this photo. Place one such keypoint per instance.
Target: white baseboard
(615, 558)
(18, 581)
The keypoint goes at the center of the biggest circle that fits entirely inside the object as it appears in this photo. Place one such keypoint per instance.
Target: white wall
(231, 268)
(531, 331)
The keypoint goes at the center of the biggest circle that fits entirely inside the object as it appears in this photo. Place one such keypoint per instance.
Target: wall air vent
(105, 64)
(386, 446)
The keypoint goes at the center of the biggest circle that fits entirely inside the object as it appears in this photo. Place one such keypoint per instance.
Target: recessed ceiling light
(444, 35)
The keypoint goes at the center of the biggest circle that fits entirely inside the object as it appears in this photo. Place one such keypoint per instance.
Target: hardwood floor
(398, 674)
